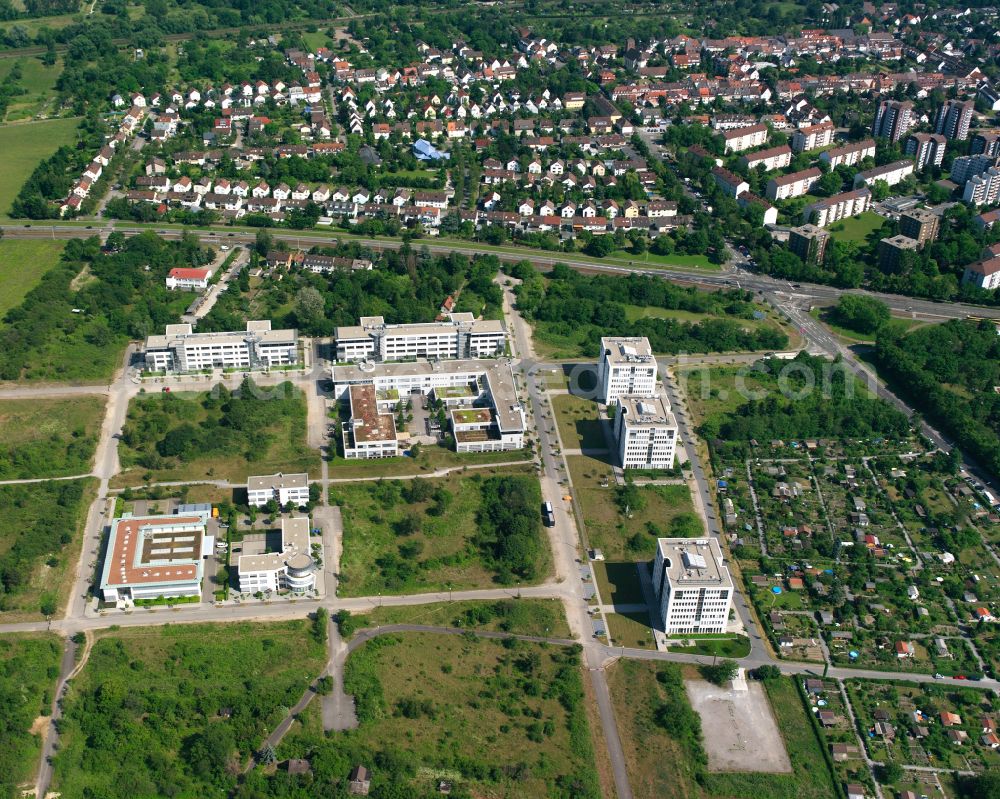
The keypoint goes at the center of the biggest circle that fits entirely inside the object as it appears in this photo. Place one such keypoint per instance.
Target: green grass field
(822, 314)
(38, 81)
(665, 261)
(660, 764)
(856, 228)
(22, 264)
(48, 437)
(498, 719)
(175, 710)
(23, 146)
(434, 551)
(430, 459)
(579, 427)
(29, 665)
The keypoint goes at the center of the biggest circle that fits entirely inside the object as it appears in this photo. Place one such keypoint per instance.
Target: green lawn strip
(619, 537)
(630, 629)
(542, 617)
(22, 264)
(496, 718)
(29, 666)
(856, 228)
(48, 437)
(408, 536)
(40, 532)
(731, 647)
(825, 316)
(429, 460)
(217, 435)
(579, 427)
(173, 709)
(23, 146)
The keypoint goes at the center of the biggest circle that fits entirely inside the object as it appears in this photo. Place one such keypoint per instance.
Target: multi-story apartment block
(180, 349)
(986, 143)
(370, 432)
(153, 556)
(285, 489)
(983, 189)
(626, 368)
(921, 224)
(927, 149)
(478, 385)
(892, 174)
(740, 139)
(809, 243)
(731, 183)
(839, 206)
(461, 335)
(812, 137)
(646, 431)
(953, 119)
(849, 154)
(290, 569)
(771, 158)
(985, 273)
(893, 119)
(890, 251)
(693, 588)
(785, 187)
(966, 167)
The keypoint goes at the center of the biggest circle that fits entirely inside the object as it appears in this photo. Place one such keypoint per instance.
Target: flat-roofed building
(155, 556)
(987, 143)
(809, 243)
(892, 174)
(927, 149)
(849, 154)
(741, 139)
(839, 206)
(693, 588)
(890, 251)
(461, 335)
(983, 189)
(965, 167)
(921, 224)
(285, 489)
(289, 569)
(893, 119)
(796, 184)
(470, 384)
(772, 158)
(626, 368)
(812, 137)
(954, 118)
(646, 431)
(181, 349)
(369, 433)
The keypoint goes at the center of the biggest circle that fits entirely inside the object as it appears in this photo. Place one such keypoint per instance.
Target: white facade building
(180, 349)
(837, 207)
(744, 138)
(796, 184)
(647, 433)
(772, 158)
(893, 173)
(812, 137)
(849, 154)
(983, 189)
(692, 586)
(461, 336)
(284, 489)
(984, 274)
(188, 279)
(369, 433)
(291, 569)
(626, 368)
(155, 556)
(475, 385)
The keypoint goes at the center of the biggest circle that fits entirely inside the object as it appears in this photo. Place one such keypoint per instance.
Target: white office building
(647, 433)
(460, 336)
(472, 385)
(180, 349)
(155, 556)
(370, 432)
(692, 585)
(285, 489)
(626, 368)
(290, 569)
(983, 189)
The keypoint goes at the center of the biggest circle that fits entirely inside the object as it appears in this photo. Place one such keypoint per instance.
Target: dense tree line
(509, 534)
(39, 520)
(948, 372)
(569, 301)
(809, 398)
